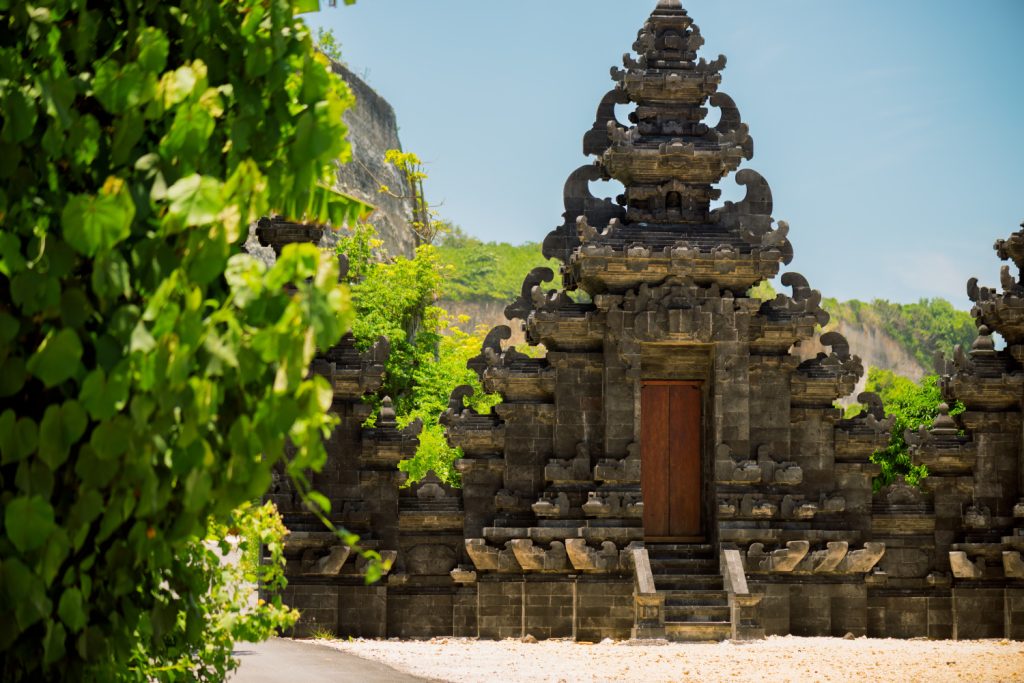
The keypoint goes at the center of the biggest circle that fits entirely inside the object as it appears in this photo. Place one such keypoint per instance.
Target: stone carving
(487, 558)
(607, 559)
(622, 471)
(782, 560)
(963, 568)
(1013, 565)
(596, 140)
(977, 517)
(552, 505)
(795, 508)
(490, 350)
(387, 558)
(731, 470)
(463, 576)
(535, 559)
(860, 561)
(314, 562)
(572, 470)
(613, 504)
(828, 560)
(430, 559)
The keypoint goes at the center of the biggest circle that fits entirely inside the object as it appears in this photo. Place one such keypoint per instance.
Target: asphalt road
(278, 661)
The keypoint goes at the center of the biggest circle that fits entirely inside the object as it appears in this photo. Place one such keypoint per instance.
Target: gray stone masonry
(573, 522)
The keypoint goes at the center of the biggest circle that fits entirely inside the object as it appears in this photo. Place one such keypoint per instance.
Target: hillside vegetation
(482, 271)
(921, 328)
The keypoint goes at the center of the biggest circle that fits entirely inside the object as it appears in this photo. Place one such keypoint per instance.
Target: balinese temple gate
(671, 467)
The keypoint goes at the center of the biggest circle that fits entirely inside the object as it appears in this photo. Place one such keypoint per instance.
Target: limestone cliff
(875, 347)
(372, 131)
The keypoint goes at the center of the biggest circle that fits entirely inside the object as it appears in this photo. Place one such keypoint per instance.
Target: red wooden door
(670, 447)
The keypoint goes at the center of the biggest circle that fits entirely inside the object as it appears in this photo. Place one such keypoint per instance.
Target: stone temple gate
(672, 467)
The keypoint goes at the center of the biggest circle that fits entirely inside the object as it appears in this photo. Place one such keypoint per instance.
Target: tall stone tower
(669, 413)
(669, 467)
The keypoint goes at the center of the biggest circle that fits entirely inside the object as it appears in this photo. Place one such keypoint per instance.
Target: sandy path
(773, 659)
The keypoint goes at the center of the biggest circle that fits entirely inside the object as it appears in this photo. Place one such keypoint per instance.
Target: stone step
(687, 613)
(688, 582)
(684, 565)
(685, 598)
(680, 550)
(698, 631)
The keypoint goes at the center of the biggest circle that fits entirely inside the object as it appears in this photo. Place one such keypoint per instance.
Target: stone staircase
(696, 603)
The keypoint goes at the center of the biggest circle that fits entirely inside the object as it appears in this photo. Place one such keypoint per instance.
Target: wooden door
(670, 448)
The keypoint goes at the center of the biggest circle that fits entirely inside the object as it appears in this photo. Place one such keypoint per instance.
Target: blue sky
(892, 133)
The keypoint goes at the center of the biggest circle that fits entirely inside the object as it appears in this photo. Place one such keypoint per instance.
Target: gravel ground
(773, 659)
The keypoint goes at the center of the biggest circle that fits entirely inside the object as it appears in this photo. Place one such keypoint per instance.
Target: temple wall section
(671, 468)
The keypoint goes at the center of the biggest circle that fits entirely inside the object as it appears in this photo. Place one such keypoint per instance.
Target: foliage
(424, 223)
(322, 633)
(229, 605)
(395, 298)
(434, 381)
(763, 291)
(488, 270)
(150, 373)
(921, 328)
(363, 249)
(328, 43)
(912, 405)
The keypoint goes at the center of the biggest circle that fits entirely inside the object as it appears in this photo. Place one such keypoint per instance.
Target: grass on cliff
(481, 271)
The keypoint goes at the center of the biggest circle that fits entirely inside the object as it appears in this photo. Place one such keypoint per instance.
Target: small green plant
(322, 633)
(395, 297)
(329, 44)
(912, 405)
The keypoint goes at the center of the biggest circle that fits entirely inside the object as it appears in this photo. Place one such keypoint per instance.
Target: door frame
(703, 489)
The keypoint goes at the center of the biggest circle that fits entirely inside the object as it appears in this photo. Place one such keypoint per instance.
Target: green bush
(395, 297)
(912, 405)
(151, 373)
(488, 270)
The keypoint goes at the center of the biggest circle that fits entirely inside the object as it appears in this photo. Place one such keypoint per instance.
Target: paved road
(281, 661)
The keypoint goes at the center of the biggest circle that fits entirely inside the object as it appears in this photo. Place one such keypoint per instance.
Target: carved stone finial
(387, 413)
(943, 423)
(984, 343)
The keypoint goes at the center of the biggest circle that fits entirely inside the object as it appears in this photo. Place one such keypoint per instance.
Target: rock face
(670, 469)
(372, 131)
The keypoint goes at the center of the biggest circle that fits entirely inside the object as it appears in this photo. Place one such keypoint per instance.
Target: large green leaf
(61, 427)
(57, 358)
(119, 88)
(94, 223)
(28, 522)
(19, 116)
(153, 48)
(18, 437)
(71, 609)
(104, 396)
(195, 199)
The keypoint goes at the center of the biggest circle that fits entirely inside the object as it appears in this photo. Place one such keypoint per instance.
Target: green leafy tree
(395, 297)
(921, 328)
(328, 43)
(150, 373)
(488, 270)
(912, 405)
